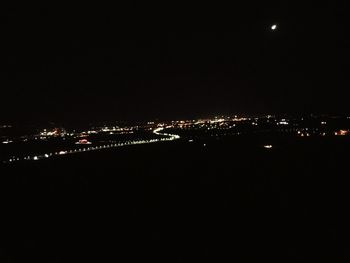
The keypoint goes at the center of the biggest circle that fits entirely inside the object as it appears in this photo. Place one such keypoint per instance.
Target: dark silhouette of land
(181, 202)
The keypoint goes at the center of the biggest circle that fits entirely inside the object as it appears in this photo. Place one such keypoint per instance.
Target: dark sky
(173, 60)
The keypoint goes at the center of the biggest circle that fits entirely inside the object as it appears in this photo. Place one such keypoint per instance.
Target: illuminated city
(64, 141)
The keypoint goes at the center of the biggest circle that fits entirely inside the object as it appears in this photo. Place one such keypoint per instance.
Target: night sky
(173, 60)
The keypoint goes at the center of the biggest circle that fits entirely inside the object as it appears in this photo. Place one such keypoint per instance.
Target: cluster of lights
(170, 137)
(217, 123)
(283, 122)
(53, 133)
(7, 142)
(309, 133)
(217, 120)
(342, 133)
(116, 129)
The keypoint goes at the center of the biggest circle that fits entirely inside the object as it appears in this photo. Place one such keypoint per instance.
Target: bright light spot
(83, 141)
(342, 133)
(46, 155)
(35, 158)
(273, 27)
(62, 152)
(268, 146)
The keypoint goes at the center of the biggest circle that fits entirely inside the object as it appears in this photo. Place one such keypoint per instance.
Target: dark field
(229, 201)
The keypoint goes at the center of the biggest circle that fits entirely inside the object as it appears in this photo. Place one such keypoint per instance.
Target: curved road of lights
(169, 137)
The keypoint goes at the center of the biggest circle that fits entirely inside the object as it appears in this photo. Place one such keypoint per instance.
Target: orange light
(342, 133)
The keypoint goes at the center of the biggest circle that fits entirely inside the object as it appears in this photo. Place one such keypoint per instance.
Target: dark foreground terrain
(229, 201)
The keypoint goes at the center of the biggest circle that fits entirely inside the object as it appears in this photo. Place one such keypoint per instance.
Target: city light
(83, 141)
(341, 133)
(268, 146)
(107, 137)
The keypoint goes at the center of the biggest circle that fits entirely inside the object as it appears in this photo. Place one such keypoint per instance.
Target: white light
(35, 158)
(46, 155)
(273, 27)
(267, 146)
